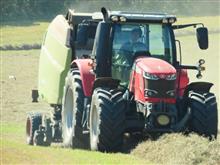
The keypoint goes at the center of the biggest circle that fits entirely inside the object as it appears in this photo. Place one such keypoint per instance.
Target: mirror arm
(186, 25)
(187, 67)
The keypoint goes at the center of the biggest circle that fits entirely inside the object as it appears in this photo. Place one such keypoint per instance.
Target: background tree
(44, 9)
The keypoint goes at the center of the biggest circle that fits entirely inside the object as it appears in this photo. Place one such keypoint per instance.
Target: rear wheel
(72, 111)
(33, 122)
(107, 120)
(204, 119)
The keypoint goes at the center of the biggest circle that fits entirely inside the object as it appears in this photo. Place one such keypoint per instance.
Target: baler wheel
(33, 122)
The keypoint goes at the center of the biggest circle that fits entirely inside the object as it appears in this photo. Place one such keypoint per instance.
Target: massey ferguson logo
(162, 76)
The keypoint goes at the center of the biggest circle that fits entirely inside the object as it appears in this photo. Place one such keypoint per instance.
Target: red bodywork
(143, 64)
(184, 81)
(88, 78)
(158, 67)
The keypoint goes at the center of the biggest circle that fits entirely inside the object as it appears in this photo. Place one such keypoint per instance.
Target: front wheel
(107, 120)
(204, 119)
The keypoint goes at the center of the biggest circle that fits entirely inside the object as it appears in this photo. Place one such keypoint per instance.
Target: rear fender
(86, 74)
(106, 82)
(198, 87)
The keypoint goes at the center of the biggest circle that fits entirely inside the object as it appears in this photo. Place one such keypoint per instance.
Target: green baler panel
(55, 59)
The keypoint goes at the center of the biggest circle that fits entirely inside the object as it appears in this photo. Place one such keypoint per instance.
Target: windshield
(133, 40)
(130, 40)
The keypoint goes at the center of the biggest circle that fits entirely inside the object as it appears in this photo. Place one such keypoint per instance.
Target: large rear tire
(204, 119)
(34, 120)
(107, 120)
(72, 111)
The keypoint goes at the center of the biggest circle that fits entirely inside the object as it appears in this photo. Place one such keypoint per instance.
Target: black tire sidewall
(106, 119)
(35, 120)
(73, 83)
(204, 117)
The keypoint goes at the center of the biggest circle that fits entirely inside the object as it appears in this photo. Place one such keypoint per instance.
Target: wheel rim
(68, 115)
(28, 129)
(94, 124)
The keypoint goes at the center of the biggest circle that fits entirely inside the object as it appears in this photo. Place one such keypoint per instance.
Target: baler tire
(107, 120)
(204, 118)
(34, 120)
(72, 112)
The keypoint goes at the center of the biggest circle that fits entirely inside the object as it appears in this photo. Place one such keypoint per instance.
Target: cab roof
(120, 16)
(143, 17)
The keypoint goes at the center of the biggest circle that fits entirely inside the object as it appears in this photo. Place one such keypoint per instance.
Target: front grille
(161, 109)
(159, 88)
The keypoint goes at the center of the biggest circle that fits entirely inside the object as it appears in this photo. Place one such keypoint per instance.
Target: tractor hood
(155, 66)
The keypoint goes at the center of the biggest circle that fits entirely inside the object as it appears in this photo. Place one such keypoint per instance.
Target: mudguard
(87, 77)
(198, 87)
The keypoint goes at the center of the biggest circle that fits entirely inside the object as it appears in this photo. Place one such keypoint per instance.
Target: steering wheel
(140, 49)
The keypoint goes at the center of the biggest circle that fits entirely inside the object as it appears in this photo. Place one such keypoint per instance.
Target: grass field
(13, 151)
(17, 35)
(18, 75)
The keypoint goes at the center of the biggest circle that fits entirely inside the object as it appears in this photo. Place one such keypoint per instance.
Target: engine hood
(154, 65)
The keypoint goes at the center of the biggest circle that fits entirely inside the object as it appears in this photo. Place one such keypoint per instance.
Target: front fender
(198, 87)
(87, 76)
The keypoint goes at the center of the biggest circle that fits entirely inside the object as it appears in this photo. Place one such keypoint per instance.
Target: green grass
(17, 35)
(14, 150)
(20, 52)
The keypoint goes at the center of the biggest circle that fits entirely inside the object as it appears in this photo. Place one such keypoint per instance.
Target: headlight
(150, 76)
(150, 93)
(172, 20)
(165, 20)
(171, 93)
(171, 77)
(163, 120)
(122, 19)
(114, 18)
(161, 76)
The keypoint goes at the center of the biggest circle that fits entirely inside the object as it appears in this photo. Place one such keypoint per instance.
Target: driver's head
(136, 33)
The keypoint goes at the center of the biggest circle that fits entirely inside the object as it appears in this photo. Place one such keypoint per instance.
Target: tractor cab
(133, 39)
(123, 37)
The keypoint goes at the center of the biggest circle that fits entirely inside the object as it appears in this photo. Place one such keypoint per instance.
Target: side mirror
(82, 35)
(202, 37)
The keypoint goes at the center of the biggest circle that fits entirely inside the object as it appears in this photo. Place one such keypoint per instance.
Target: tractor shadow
(132, 141)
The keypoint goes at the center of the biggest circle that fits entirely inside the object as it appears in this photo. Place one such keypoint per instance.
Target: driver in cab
(134, 46)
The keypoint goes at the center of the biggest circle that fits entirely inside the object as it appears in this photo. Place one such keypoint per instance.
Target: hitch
(200, 68)
(35, 95)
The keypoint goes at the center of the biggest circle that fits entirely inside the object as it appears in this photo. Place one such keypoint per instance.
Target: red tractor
(133, 84)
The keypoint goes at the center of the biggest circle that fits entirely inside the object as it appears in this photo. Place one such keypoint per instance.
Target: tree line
(43, 9)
